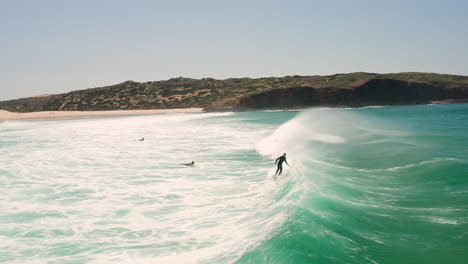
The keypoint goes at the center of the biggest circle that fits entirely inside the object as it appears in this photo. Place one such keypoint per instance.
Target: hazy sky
(59, 46)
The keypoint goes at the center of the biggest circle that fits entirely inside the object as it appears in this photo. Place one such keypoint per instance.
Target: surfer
(189, 164)
(141, 139)
(280, 161)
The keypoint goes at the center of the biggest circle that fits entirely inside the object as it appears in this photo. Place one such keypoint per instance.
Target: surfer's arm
(286, 162)
(276, 160)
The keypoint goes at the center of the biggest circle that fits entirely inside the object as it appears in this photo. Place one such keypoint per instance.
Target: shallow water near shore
(372, 185)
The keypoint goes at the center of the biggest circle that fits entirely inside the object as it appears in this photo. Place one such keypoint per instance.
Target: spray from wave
(371, 191)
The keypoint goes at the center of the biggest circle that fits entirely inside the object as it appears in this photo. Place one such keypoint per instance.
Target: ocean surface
(370, 185)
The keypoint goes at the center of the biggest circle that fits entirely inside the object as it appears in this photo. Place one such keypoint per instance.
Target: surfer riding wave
(280, 161)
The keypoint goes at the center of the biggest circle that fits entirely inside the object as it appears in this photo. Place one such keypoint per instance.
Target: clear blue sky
(58, 46)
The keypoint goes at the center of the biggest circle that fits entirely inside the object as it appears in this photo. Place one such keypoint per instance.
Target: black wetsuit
(280, 161)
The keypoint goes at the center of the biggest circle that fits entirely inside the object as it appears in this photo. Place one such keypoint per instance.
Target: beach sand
(6, 115)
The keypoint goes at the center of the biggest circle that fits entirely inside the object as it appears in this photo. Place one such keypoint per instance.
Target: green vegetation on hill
(185, 92)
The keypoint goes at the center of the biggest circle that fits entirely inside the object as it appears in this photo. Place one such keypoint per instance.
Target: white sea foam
(132, 200)
(86, 190)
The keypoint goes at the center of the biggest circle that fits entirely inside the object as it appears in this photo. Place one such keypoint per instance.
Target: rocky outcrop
(295, 97)
(373, 92)
(396, 92)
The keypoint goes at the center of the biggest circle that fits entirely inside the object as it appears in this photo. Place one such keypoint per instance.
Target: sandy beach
(6, 115)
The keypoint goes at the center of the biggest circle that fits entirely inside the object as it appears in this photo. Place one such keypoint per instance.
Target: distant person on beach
(189, 164)
(141, 139)
(280, 161)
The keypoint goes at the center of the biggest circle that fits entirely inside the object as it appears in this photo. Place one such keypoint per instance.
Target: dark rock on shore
(373, 92)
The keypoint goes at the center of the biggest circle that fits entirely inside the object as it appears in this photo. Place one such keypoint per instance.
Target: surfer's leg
(280, 169)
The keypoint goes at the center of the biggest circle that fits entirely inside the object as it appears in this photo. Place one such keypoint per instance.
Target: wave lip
(293, 136)
(382, 186)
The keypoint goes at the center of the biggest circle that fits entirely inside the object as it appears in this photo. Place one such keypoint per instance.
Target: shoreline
(7, 115)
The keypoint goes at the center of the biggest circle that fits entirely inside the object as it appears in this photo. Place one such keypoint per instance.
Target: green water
(372, 185)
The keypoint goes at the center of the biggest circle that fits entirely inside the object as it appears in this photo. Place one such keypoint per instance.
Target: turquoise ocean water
(371, 185)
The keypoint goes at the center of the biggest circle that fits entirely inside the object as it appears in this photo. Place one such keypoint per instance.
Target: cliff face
(353, 89)
(396, 92)
(373, 92)
(297, 97)
(393, 92)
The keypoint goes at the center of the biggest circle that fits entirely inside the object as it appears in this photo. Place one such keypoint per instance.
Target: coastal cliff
(373, 92)
(339, 90)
